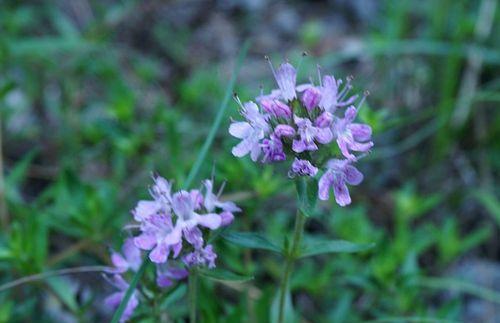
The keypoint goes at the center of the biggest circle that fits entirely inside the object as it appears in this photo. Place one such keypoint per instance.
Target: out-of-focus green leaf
(289, 316)
(251, 240)
(17, 174)
(173, 296)
(318, 247)
(307, 191)
(490, 202)
(223, 275)
(459, 286)
(64, 292)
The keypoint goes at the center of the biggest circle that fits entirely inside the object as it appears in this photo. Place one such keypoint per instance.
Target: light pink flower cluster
(171, 226)
(170, 219)
(301, 121)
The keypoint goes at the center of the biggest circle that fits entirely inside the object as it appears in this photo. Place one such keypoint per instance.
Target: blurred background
(95, 95)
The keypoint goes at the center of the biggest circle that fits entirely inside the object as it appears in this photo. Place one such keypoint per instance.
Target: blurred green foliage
(88, 112)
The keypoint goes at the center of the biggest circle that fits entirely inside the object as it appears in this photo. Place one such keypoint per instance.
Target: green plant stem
(193, 292)
(291, 256)
(4, 217)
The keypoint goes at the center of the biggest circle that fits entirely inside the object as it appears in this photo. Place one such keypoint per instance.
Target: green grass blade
(192, 174)
(131, 288)
(218, 119)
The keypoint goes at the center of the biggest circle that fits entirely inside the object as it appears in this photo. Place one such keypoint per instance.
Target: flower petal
(324, 184)
(243, 148)
(298, 146)
(159, 254)
(352, 175)
(145, 209)
(324, 135)
(360, 132)
(341, 192)
(119, 262)
(240, 129)
(211, 220)
(132, 254)
(145, 241)
(113, 300)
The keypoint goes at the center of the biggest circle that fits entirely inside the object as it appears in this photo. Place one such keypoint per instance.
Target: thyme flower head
(301, 124)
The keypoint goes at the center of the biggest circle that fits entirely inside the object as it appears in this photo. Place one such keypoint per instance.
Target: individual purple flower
(338, 173)
(159, 234)
(114, 300)
(250, 132)
(302, 167)
(272, 148)
(352, 136)
(212, 201)
(161, 193)
(130, 258)
(331, 97)
(286, 77)
(311, 98)
(276, 108)
(309, 134)
(183, 206)
(201, 257)
(167, 274)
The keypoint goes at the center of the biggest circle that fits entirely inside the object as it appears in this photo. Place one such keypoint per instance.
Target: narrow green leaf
(218, 119)
(173, 296)
(223, 275)
(289, 312)
(16, 176)
(131, 288)
(318, 247)
(490, 202)
(192, 174)
(307, 191)
(460, 286)
(251, 240)
(64, 292)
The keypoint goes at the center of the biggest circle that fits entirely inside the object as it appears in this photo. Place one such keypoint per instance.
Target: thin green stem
(291, 256)
(48, 274)
(4, 217)
(193, 292)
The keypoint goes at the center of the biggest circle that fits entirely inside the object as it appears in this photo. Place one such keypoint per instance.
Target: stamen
(213, 173)
(344, 92)
(319, 74)
(346, 88)
(270, 65)
(360, 104)
(219, 193)
(237, 99)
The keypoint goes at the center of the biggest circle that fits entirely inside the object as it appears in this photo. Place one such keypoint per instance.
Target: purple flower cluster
(300, 122)
(171, 226)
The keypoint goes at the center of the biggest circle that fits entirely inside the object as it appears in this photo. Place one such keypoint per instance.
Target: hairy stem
(300, 221)
(193, 291)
